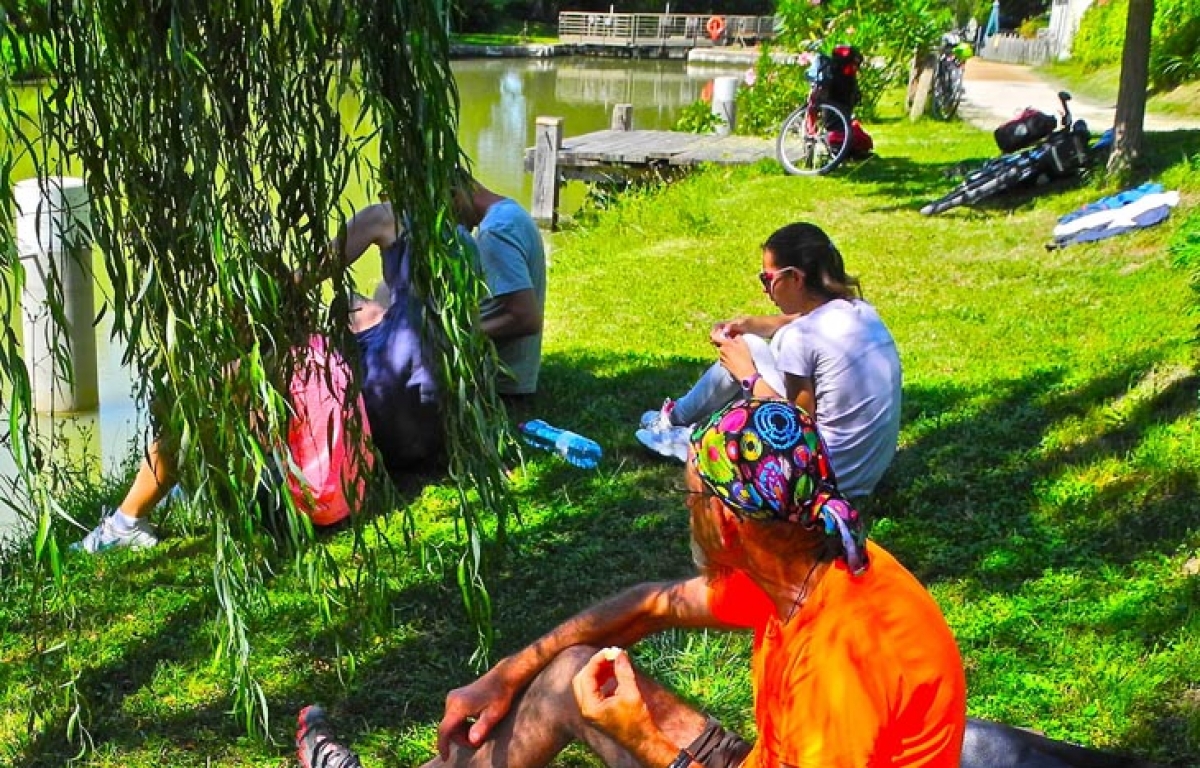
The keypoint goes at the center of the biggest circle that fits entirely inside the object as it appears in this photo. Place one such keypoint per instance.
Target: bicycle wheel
(979, 186)
(814, 139)
(947, 90)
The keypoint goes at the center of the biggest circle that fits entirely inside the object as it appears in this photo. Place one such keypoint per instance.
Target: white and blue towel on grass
(1116, 214)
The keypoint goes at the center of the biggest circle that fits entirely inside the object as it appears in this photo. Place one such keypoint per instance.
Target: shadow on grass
(1165, 148)
(582, 529)
(105, 686)
(974, 493)
(602, 531)
(905, 184)
(980, 494)
(583, 551)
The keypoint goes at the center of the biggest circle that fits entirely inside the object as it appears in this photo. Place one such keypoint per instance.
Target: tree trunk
(1131, 98)
(920, 83)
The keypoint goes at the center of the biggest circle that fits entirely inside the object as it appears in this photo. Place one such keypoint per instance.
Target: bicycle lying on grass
(821, 134)
(1058, 153)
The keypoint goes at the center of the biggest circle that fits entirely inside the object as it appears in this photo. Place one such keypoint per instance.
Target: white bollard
(54, 241)
(724, 104)
(548, 136)
(622, 117)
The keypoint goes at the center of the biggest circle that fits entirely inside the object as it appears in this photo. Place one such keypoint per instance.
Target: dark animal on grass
(993, 745)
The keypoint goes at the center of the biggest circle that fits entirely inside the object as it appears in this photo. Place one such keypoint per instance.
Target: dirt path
(995, 92)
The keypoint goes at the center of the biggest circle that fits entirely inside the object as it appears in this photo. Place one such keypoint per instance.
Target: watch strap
(749, 382)
(682, 760)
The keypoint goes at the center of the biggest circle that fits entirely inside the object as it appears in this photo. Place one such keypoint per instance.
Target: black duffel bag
(1026, 129)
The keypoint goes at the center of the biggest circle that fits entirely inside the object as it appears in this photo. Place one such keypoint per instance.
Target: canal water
(501, 99)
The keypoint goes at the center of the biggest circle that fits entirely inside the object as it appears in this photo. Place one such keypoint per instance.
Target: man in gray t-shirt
(514, 267)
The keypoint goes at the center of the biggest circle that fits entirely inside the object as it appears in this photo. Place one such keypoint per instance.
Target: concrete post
(622, 117)
(54, 241)
(547, 141)
(724, 104)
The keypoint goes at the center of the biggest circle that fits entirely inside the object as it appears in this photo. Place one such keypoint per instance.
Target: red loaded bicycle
(822, 133)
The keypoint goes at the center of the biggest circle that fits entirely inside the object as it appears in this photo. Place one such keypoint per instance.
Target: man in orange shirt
(853, 664)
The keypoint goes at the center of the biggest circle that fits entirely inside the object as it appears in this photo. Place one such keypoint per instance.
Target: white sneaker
(671, 442)
(660, 419)
(107, 536)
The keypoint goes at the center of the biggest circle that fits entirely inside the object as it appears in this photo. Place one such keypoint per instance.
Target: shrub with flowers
(887, 32)
(776, 91)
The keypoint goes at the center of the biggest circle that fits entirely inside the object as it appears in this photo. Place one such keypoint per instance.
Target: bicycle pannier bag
(861, 142)
(1026, 129)
(843, 65)
(1069, 151)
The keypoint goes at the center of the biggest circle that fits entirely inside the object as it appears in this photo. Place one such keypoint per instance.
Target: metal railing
(666, 30)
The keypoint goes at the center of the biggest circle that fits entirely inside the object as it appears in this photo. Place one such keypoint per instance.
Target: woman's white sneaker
(111, 534)
(660, 419)
(671, 442)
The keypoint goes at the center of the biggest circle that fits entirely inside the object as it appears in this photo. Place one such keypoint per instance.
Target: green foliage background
(697, 117)
(1049, 500)
(1185, 248)
(49, 609)
(1175, 47)
(18, 60)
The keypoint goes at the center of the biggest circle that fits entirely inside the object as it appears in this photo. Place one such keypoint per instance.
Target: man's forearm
(518, 314)
(621, 620)
(503, 325)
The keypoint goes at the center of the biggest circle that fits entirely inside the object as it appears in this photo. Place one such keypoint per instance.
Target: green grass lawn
(1046, 488)
(510, 33)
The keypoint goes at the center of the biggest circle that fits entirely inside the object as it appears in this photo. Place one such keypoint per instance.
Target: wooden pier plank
(608, 154)
(639, 148)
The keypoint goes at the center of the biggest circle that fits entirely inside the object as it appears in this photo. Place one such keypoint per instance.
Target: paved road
(995, 92)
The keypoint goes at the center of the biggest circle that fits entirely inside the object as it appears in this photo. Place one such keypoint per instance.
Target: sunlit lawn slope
(1046, 487)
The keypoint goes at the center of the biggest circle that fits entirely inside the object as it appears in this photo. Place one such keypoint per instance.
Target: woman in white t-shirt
(827, 351)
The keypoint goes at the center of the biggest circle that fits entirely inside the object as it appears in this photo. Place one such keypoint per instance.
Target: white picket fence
(1014, 49)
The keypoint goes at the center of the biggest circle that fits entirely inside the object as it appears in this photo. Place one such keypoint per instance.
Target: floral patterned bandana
(766, 461)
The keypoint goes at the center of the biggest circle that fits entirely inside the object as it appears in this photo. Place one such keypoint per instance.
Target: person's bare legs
(545, 719)
(128, 525)
(154, 480)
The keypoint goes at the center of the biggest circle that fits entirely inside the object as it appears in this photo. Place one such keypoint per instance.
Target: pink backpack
(329, 471)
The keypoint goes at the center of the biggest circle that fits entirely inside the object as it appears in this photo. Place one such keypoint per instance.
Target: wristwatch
(682, 760)
(749, 382)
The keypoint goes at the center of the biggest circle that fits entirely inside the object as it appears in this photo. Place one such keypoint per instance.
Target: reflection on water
(501, 99)
(665, 90)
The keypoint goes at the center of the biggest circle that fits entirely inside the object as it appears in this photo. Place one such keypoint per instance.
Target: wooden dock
(620, 152)
(647, 148)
